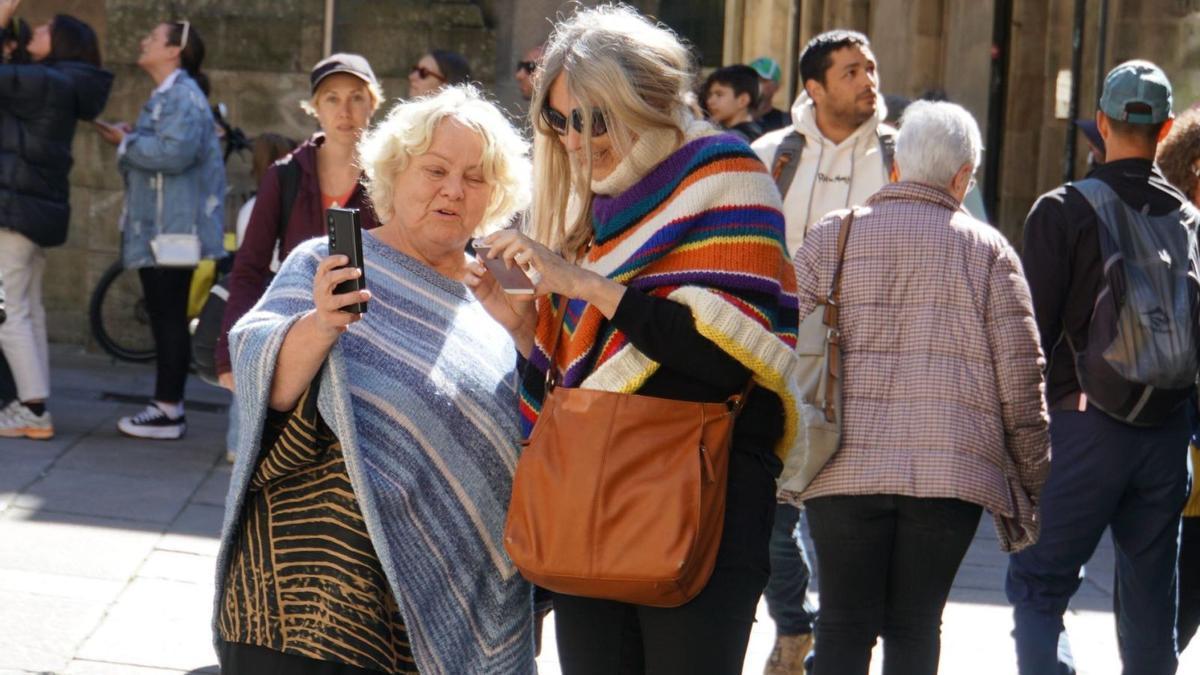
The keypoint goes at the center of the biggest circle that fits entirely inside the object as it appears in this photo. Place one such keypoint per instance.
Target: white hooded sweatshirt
(828, 177)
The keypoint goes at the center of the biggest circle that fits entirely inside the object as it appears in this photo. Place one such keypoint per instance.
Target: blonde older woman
(323, 172)
(363, 527)
(665, 240)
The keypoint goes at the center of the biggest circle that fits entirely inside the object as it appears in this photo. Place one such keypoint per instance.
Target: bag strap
(552, 367)
(787, 160)
(887, 151)
(833, 364)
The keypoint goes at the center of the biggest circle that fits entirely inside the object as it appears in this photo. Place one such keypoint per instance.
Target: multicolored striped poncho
(702, 228)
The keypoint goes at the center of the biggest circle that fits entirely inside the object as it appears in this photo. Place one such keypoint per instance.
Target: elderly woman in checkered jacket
(944, 413)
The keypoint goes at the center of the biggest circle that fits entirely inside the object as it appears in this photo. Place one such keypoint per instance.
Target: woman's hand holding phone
(331, 317)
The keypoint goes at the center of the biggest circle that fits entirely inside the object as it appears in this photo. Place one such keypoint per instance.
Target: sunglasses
(558, 121)
(527, 66)
(183, 35)
(423, 72)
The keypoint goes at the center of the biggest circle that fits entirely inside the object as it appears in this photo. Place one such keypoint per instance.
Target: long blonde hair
(636, 72)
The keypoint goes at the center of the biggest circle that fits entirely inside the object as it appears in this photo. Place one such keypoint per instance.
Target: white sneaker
(17, 421)
(153, 422)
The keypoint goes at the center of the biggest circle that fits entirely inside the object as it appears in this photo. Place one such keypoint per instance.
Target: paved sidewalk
(107, 548)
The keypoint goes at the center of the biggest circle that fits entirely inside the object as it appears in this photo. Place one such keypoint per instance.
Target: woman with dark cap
(321, 173)
(174, 209)
(40, 103)
(437, 69)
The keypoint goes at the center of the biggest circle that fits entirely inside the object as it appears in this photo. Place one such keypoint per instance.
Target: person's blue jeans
(1134, 481)
(231, 434)
(787, 590)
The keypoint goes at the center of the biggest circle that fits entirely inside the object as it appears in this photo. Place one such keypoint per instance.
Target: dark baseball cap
(350, 64)
(1137, 82)
(1091, 132)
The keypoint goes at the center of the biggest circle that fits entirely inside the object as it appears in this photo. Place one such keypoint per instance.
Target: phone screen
(345, 238)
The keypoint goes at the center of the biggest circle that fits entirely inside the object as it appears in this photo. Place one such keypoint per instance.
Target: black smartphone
(345, 238)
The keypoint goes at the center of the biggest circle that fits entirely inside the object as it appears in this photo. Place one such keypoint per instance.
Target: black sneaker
(153, 423)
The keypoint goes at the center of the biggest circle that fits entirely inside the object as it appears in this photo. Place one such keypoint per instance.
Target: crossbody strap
(552, 367)
(833, 364)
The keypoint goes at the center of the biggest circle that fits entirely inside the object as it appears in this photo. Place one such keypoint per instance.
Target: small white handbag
(176, 250)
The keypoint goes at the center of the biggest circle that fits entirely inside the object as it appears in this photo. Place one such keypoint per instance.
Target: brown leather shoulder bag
(621, 496)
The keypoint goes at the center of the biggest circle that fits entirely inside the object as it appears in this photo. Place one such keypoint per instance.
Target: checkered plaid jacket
(942, 374)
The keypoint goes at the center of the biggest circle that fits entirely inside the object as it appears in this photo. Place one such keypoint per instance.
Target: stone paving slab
(86, 667)
(135, 458)
(195, 531)
(22, 467)
(174, 566)
(70, 545)
(214, 488)
(41, 633)
(156, 623)
(71, 491)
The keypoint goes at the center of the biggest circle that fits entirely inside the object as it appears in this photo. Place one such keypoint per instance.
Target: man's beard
(854, 116)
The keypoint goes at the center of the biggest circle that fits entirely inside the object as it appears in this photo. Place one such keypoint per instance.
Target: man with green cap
(1111, 262)
(767, 115)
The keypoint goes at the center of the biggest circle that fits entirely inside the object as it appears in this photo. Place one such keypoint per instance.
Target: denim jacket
(174, 174)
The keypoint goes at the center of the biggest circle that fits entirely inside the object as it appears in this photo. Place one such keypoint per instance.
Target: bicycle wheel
(117, 314)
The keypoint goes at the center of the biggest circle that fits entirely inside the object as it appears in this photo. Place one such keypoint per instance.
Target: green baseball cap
(767, 68)
(1137, 82)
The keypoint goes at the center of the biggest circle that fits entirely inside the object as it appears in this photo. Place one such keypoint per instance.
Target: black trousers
(886, 564)
(707, 635)
(166, 291)
(1189, 580)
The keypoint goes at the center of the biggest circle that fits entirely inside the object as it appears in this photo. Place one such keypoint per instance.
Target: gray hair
(936, 139)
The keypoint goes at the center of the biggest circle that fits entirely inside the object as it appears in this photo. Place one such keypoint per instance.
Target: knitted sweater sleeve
(665, 331)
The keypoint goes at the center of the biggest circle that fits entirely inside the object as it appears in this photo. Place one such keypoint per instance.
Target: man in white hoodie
(836, 153)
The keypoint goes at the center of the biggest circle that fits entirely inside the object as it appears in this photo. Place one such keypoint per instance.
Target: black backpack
(206, 328)
(1140, 361)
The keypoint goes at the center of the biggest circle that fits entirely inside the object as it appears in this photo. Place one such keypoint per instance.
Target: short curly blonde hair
(1179, 153)
(407, 132)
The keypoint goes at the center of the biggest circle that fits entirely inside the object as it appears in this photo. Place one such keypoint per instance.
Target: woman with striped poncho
(362, 529)
(665, 237)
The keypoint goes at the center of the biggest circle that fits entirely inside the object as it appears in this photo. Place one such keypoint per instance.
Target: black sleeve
(1046, 257)
(665, 331)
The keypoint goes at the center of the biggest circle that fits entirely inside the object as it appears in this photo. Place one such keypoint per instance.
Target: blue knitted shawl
(422, 395)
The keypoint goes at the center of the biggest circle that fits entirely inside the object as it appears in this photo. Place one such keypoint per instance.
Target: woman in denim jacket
(174, 184)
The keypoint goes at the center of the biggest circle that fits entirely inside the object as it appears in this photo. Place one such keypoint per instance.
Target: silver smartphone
(512, 279)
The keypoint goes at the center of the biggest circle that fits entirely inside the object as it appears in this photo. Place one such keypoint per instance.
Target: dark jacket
(39, 104)
(1061, 256)
(251, 267)
(750, 130)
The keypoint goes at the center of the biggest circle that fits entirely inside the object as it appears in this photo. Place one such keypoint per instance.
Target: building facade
(1002, 59)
